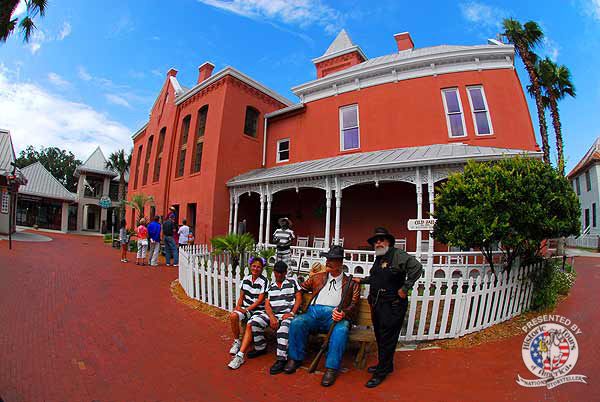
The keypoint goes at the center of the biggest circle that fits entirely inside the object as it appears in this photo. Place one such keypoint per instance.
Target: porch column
(262, 218)
(230, 212)
(338, 206)
(236, 201)
(430, 188)
(419, 211)
(64, 219)
(328, 213)
(268, 225)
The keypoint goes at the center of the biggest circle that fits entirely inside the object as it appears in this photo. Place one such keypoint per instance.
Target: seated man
(283, 301)
(326, 288)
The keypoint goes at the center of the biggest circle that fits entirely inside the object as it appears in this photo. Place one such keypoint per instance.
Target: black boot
(277, 367)
(375, 381)
(329, 377)
(372, 369)
(291, 366)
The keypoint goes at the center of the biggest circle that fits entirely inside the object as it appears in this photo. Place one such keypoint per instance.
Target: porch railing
(438, 307)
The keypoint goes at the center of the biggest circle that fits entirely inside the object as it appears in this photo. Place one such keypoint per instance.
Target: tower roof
(342, 44)
(96, 163)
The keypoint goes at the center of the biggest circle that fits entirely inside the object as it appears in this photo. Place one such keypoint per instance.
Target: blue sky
(93, 69)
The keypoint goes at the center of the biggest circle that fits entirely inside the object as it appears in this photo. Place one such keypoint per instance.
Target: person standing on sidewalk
(171, 250)
(142, 242)
(123, 240)
(393, 274)
(154, 239)
(184, 233)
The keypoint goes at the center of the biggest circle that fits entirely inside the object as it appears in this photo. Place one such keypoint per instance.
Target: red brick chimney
(404, 41)
(172, 72)
(204, 71)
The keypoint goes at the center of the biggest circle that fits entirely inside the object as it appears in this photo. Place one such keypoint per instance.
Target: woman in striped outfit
(283, 240)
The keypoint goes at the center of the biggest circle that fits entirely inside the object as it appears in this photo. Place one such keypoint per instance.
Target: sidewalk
(79, 325)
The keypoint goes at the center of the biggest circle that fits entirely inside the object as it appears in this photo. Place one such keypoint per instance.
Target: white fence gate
(438, 308)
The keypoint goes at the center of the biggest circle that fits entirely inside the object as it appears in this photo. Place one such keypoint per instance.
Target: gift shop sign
(421, 224)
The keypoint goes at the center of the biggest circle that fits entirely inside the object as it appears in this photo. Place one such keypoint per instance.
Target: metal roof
(41, 183)
(7, 153)
(591, 156)
(96, 163)
(377, 160)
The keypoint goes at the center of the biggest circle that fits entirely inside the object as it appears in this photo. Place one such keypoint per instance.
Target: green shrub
(107, 238)
(550, 282)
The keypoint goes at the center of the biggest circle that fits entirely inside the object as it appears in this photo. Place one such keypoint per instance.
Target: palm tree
(555, 82)
(235, 244)
(138, 202)
(119, 162)
(525, 38)
(8, 24)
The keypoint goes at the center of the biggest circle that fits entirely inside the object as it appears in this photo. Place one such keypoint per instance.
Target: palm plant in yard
(119, 162)
(8, 23)
(555, 83)
(525, 38)
(139, 202)
(235, 244)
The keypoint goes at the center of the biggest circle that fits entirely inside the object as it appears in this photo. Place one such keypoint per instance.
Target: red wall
(405, 114)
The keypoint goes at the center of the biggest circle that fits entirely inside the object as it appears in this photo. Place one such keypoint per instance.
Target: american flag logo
(549, 350)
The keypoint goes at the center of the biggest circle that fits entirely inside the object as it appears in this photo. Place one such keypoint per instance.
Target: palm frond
(27, 27)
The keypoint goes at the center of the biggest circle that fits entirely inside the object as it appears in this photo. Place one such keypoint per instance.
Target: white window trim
(462, 113)
(341, 109)
(279, 142)
(487, 110)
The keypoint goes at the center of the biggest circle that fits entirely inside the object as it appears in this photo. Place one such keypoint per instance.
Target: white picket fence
(585, 240)
(438, 308)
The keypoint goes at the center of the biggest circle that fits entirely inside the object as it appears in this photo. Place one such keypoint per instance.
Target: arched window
(147, 161)
(185, 130)
(159, 150)
(199, 139)
(251, 122)
(137, 167)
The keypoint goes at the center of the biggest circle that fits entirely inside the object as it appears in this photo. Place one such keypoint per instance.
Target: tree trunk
(558, 132)
(526, 57)
(121, 196)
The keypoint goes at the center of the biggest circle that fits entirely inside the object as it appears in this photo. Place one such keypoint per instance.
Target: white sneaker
(236, 362)
(235, 347)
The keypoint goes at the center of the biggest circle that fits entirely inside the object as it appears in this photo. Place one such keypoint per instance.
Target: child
(283, 301)
(124, 240)
(142, 242)
(252, 295)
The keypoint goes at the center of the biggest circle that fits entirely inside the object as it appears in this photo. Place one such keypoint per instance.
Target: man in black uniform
(393, 274)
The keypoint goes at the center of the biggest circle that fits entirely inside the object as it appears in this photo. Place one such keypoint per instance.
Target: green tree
(60, 163)
(119, 162)
(517, 202)
(139, 202)
(525, 38)
(237, 245)
(555, 83)
(8, 23)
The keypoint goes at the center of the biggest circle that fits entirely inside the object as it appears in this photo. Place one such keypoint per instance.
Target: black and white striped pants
(259, 322)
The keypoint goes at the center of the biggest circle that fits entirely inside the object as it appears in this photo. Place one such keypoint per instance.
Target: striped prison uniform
(283, 240)
(251, 292)
(282, 301)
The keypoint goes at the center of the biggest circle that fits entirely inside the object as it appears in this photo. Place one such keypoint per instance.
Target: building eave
(342, 52)
(297, 106)
(140, 131)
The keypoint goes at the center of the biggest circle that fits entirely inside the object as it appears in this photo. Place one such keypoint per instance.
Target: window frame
(577, 186)
(199, 139)
(487, 110)
(588, 181)
(186, 123)
(593, 214)
(341, 123)
(279, 142)
(251, 108)
(137, 166)
(447, 114)
(159, 150)
(145, 172)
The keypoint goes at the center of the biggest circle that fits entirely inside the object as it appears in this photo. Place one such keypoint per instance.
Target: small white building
(585, 178)
(10, 179)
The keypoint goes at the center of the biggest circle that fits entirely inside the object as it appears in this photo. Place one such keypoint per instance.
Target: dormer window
(349, 128)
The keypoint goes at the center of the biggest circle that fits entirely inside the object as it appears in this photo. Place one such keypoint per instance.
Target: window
(147, 161)
(152, 212)
(578, 188)
(137, 167)
(283, 150)
(588, 181)
(454, 114)
(594, 214)
(349, 128)
(480, 111)
(159, 150)
(199, 142)
(251, 122)
(185, 130)
(587, 218)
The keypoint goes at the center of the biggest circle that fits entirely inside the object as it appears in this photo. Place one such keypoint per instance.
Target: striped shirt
(253, 290)
(282, 299)
(283, 238)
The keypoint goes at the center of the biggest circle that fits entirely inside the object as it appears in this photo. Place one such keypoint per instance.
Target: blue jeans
(171, 250)
(318, 319)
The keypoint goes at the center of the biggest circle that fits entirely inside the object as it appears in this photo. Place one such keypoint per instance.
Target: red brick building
(365, 146)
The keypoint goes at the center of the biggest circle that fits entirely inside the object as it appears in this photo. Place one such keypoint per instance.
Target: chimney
(404, 41)
(204, 71)
(172, 72)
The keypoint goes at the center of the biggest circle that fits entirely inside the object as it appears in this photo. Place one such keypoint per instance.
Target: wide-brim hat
(379, 233)
(172, 208)
(335, 252)
(288, 220)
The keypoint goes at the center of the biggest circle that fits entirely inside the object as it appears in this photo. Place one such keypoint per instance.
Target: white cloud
(37, 117)
(156, 72)
(296, 12)
(482, 15)
(58, 80)
(83, 74)
(21, 8)
(117, 100)
(35, 43)
(591, 8)
(550, 48)
(65, 31)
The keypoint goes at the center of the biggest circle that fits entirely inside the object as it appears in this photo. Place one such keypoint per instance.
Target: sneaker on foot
(168, 265)
(235, 347)
(236, 362)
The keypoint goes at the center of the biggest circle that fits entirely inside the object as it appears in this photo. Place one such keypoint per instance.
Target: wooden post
(419, 211)
(338, 207)
(327, 213)
(267, 237)
(262, 217)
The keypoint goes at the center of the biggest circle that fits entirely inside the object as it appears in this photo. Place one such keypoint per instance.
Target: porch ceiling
(428, 155)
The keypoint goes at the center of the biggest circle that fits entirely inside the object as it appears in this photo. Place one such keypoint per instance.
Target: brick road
(77, 325)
